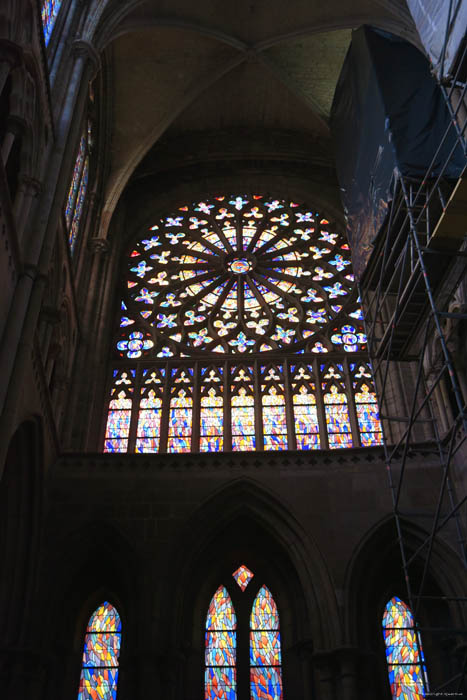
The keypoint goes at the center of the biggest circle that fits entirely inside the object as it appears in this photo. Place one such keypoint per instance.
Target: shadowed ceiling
(198, 83)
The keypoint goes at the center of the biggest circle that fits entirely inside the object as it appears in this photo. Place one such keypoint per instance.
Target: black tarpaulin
(388, 118)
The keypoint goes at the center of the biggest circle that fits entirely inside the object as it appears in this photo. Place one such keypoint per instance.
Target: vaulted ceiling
(199, 85)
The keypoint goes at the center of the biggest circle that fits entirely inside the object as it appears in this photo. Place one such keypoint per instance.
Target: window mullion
(227, 408)
(258, 407)
(323, 428)
(165, 410)
(289, 409)
(351, 404)
(196, 410)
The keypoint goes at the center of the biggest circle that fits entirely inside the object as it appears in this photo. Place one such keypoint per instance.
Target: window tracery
(245, 306)
(99, 673)
(404, 653)
(260, 620)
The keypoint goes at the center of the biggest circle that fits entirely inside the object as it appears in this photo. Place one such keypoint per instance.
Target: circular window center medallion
(239, 266)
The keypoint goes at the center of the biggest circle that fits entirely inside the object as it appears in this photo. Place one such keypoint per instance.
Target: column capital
(30, 184)
(100, 246)
(82, 47)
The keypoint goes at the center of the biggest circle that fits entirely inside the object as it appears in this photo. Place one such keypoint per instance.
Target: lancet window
(404, 653)
(76, 197)
(245, 308)
(99, 672)
(225, 668)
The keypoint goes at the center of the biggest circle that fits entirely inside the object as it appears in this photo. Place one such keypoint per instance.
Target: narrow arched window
(273, 405)
(212, 409)
(265, 648)
(181, 411)
(49, 13)
(404, 653)
(99, 673)
(78, 188)
(220, 648)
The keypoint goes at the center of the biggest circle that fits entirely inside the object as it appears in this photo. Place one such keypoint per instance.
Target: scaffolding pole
(419, 261)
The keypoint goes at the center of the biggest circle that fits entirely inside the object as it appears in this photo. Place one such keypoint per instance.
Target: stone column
(28, 189)
(99, 248)
(17, 348)
(11, 57)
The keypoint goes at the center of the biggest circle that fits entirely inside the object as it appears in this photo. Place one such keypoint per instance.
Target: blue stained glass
(49, 12)
(220, 648)
(220, 683)
(99, 672)
(79, 206)
(406, 677)
(265, 683)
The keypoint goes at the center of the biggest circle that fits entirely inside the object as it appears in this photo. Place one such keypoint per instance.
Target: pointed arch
(265, 648)
(99, 671)
(220, 648)
(404, 653)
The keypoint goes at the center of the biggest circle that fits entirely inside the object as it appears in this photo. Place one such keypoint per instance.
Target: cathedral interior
(233, 332)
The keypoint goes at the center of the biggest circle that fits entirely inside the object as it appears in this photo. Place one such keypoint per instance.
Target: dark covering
(388, 119)
(442, 28)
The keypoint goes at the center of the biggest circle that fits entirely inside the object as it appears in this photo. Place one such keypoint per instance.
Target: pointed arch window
(258, 622)
(404, 653)
(265, 648)
(99, 672)
(49, 13)
(220, 648)
(78, 187)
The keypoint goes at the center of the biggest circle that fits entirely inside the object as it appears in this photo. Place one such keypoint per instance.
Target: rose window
(236, 275)
(240, 329)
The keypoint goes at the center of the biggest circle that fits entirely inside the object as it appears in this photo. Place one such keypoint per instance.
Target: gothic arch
(242, 507)
(20, 509)
(375, 574)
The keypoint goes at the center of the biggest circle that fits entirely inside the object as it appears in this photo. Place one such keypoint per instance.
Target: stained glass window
(265, 648)
(78, 188)
(305, 410)
(49, 12)
(273, 400)
(150, 410)
(252, 299)
(243, 576)
(336, 406)
(220, 648)
(366, 405)
(243, 274)
(404, 654)
(119, 416)
(243, 409)
(181, 411)
(212, 410)
(99, 673)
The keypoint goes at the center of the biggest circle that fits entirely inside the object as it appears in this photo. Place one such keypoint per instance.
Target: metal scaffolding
(417, 264)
